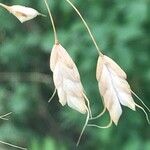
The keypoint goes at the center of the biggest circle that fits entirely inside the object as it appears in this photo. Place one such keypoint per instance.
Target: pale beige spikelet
(67, 79)
(113, 87)
(21, 12)
(68, 84)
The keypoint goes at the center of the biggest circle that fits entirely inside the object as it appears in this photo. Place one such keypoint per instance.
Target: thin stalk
(18, 147)
(88, 104)
(52, 21)
(101, 127)
(3, 116)
(86, 122)
(98, 116)
(140, 100)
(147, 118)
(4, 6)
(52, 96)
(87, 27)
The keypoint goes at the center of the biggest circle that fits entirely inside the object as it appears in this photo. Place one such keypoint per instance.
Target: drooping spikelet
(113, 87)
(67, 79)
(67, 82)
(21, 12)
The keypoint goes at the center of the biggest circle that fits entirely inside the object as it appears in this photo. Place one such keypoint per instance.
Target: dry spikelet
(67, 82)
(21, 12)
(67, 79)
(114, 88)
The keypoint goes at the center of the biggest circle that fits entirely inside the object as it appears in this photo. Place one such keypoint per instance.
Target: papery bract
(21, 12)
(113, 87)
(67, 79)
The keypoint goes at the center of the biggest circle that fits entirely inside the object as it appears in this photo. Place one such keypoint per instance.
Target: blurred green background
(121, 28)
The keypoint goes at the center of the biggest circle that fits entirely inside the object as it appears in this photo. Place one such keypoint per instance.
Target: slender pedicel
(92, 37)
(146, 115)
(86, 122)
(3, 117)
(101, 127)
(99, 115)
(88, 104)
(140, 100)
(11, 145)
(52, 21)
(87, 27)
(52, 95)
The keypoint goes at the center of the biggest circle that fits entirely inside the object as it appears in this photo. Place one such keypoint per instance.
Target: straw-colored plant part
(21, 12)
(14, 146)
(116, 72)
(67, 79)
(114, 88)
(67, 82)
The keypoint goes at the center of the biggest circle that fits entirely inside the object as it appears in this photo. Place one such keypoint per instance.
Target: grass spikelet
(67, 79)
(67, 82)
(114, 88)
(22, 13)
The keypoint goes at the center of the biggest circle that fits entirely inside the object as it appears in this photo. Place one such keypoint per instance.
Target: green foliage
(121, 28)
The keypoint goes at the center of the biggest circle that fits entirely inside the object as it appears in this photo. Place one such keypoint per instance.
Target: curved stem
(3, 116)
(100, 127)
(146, 115)
(140, 100)
(52, 21)
(86, 122)
(87, 27)
(99, 115)
(52, 96)
(88, 104)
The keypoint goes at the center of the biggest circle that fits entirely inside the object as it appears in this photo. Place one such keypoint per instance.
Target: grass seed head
(113, 87)
(67, 79)
(21, 12)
